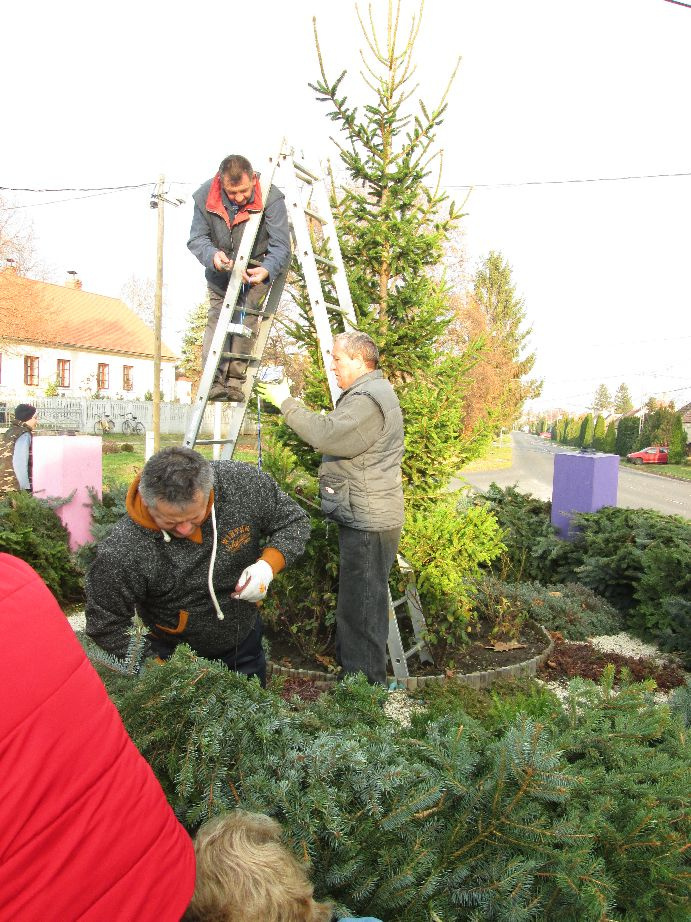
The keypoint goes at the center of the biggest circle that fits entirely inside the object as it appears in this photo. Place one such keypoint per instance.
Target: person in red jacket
(86, 832)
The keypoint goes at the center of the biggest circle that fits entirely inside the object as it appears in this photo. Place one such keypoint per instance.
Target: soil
(569, 660)
(477, 656)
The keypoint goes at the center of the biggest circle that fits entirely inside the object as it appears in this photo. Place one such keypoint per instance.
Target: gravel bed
(628, 646)
(78, 621)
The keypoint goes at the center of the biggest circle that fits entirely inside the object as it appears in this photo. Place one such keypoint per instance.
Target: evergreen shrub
(302, 601)
(106, 510)
(447, 543)
(637, 559)
(574, 817)
(572, 609)
(533, 548)
(31, 530)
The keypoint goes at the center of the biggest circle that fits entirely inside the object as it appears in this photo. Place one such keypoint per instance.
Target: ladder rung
(316, 216)
(250, 359)
(304, 171)
(214, 441)
(335, 307)
(239, 329)
(325, 262)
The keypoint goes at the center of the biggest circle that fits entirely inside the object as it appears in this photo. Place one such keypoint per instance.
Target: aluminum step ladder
(312, 228)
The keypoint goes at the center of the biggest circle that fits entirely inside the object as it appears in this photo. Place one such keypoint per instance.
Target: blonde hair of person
(246, 874)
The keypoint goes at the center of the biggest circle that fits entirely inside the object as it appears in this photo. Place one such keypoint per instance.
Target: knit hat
(24, 412)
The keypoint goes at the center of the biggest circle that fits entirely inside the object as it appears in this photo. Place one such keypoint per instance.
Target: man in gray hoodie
(361, 442)
(197, 550)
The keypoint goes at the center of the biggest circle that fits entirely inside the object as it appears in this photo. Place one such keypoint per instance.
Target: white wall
(83, 368)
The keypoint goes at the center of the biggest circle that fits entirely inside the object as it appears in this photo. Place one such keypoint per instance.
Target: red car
(656, 454)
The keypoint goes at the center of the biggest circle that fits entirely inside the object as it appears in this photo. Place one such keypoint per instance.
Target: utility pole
(158, 317)
(158, 200)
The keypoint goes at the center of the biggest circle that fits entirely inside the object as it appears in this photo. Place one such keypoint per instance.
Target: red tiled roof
(55, 315)
(685, 413)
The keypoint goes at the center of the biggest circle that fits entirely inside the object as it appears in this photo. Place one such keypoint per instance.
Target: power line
(74, 198)
(80, 188)
(559, 182)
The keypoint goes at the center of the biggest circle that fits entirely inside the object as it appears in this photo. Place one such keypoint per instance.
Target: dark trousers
(247, 658)
(235, 369)
(362, 613)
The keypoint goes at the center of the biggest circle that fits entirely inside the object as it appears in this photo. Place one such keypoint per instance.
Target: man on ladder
(222, 207)
(361, 489)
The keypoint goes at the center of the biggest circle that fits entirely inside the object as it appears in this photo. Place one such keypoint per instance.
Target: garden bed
(569, 660)
(479, 663)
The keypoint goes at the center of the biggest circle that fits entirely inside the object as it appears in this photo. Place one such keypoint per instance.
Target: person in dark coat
(15, 450)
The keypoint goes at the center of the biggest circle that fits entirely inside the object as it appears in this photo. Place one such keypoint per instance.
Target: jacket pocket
(335, 494)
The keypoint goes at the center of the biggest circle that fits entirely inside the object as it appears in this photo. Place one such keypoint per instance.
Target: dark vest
(8, 479)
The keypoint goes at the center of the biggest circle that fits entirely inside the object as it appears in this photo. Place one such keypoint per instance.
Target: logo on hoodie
(236, 538)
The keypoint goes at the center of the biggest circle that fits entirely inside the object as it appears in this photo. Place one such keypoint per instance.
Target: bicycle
(131, 424)
(104, 423)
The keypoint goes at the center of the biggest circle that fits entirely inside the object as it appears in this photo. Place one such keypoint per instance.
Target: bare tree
(139, 295)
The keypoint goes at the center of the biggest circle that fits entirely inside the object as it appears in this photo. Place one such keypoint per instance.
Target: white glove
(254, 582)
(274, 393)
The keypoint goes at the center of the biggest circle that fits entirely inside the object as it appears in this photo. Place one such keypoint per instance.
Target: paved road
(533, 468)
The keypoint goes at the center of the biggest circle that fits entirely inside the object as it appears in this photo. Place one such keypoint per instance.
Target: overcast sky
(548, 92)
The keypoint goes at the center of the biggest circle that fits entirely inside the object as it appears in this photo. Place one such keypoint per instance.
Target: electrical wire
(559, 182)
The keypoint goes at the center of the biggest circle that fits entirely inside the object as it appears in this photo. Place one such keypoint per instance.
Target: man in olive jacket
(360, 485)
(222, 207)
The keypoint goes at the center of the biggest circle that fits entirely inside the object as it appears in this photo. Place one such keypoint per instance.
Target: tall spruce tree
(393, 221)
(622, 402)
(602, 400)
(504, 311)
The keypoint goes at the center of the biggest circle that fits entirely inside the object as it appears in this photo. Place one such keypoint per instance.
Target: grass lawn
(682, 471)
(123, 466)
(499, 455)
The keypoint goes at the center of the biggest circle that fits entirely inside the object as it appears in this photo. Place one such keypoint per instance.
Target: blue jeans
(362, 613)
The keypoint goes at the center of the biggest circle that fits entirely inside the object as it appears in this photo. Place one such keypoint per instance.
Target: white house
(59, 340)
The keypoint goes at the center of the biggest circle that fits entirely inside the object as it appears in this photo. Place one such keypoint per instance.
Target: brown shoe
(217, 392)
(234, 395)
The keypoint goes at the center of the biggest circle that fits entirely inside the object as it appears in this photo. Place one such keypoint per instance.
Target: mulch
(570, 660)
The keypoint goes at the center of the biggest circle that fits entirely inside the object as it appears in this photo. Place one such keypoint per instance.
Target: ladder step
(335, 307)
(305, 172)
(214, 441)
(250, 359)
(325, 262)
(315, 215)
(239, 329)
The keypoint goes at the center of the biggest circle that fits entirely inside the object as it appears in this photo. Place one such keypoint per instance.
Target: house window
(102, 377)
(63, 373)
(31, 370)
(127, 377)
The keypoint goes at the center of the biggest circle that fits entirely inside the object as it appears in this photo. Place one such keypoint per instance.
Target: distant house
(686, 419)
(63, 341)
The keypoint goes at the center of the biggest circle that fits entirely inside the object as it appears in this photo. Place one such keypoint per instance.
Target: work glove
(254, 582)
(274, 393)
